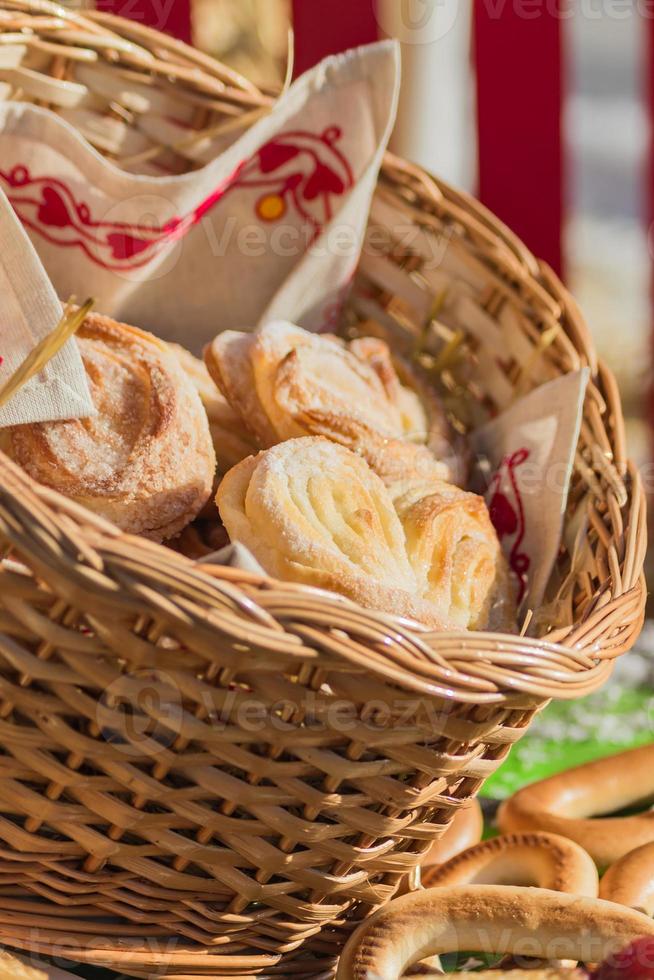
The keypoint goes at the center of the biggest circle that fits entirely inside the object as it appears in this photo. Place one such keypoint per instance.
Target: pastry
(145, 460)
(548, 973)
(12, 968)
(543, 860)
(313, 512)
(572, 804)
(231, 440)
(285, 383)
(455, 554)
(630, 881)
(532, 922)
(423, 412)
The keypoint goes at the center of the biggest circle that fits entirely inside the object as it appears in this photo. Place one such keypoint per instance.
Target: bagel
(549, 973)
(564, 803)
(536, 859)
(630, 881)
(464, 831)
(531, 922)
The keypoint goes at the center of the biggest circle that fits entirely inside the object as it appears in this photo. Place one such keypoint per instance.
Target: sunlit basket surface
(142, 796)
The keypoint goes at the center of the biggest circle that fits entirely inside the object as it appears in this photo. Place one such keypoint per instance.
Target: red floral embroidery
(508, 515)
(295, 171)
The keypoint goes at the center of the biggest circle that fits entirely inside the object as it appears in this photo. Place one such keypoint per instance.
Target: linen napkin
(529, 450)
(271, 227)
(29, 311)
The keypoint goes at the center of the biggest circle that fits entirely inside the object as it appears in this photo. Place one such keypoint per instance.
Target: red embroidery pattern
(508, 515)
(296, 171)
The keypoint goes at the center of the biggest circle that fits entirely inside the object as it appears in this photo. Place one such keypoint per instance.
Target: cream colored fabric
(269, 226)
(530, 450)
(29, 311)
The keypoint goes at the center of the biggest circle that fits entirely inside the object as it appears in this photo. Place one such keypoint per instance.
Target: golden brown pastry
(455, 554)
(286, 383)
(630, 881)
(313, 512)
(424, 417)
(546, 973)
(539, 860)
(145, 461)
(530, 922)
(231, 440)
(15, 969)
(579, 804)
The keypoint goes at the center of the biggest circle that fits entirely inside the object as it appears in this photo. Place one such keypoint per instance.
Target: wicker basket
(151, 818)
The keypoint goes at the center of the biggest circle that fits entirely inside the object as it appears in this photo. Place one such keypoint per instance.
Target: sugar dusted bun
(314, 512)
(145, 461)
(287, 383)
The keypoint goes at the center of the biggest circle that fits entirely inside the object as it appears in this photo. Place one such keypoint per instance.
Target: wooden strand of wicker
(233, 766)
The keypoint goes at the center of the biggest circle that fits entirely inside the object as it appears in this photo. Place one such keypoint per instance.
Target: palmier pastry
(314, 512)
(286, 383)
(231, 440)
(456, 554)
(145, 460)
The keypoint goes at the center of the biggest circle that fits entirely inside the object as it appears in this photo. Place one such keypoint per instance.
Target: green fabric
(572, 733)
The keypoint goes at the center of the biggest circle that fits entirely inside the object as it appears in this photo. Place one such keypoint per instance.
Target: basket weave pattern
(194, 751)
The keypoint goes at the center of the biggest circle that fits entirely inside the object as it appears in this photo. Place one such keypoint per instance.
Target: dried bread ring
(530, 922)
(531, 859)
(630, 881)
(465, 831)
(564, 804)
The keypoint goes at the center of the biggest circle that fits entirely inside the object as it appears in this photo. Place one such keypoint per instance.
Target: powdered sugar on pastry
(314, 512)
(287, 383)
(228, 363)
(455, 554)
(145, 460)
